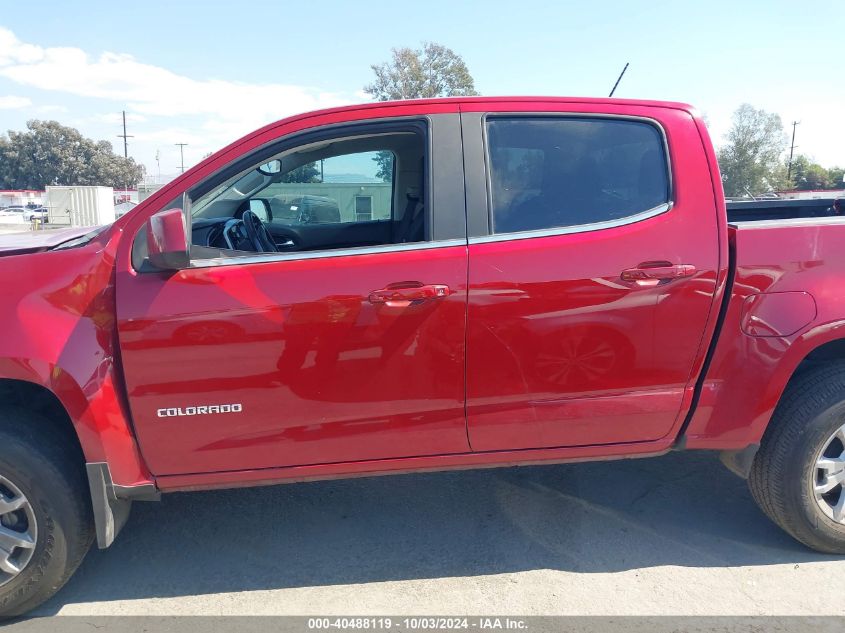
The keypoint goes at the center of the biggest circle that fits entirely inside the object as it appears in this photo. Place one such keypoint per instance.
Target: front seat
(412, 225)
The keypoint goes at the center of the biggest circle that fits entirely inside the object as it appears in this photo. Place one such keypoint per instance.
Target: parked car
(26, 214)
(36, 213)
(558, 281)
(13, 212)
(305, 209)
(124, 207)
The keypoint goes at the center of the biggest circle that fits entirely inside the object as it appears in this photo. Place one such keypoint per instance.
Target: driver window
(353, 192)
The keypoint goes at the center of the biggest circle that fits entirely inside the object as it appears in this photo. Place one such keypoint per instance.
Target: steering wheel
(257, 233)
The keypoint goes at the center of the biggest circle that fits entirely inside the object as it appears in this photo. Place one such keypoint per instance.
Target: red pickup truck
(481, 282)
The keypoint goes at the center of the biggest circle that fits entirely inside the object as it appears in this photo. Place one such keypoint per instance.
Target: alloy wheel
(829, 477)
(18, 531)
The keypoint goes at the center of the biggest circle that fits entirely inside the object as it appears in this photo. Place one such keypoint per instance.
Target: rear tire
(42, 466)
(785, 475)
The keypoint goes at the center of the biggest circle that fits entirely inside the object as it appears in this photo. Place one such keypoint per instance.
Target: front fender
(96, 412)
(58, 315)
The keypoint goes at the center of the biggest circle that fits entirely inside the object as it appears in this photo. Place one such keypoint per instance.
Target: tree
(751, 160)
(384, 161)
(51, 154)
(432, 71)
(836, 175)
(304, 173)
(816, 177)
(808, 175)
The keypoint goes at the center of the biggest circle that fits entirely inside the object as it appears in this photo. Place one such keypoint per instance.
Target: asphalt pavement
(677, 534)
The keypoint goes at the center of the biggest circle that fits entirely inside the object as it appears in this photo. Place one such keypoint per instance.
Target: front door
(330, 350)
(589, 294)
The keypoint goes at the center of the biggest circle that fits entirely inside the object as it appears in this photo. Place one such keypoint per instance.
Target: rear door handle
(404, 294)
(652, 273)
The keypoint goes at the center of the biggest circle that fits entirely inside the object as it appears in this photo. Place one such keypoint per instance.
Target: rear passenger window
(548, 172)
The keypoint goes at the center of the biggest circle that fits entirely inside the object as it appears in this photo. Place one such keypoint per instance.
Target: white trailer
(80, 206)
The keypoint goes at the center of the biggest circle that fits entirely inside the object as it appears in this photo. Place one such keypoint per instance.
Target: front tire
(46, 524)
(798, 475)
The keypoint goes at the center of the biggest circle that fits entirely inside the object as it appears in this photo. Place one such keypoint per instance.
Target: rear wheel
(46, 525)
(798, 475)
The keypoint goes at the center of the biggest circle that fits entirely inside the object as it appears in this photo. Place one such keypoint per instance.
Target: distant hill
(352, 178)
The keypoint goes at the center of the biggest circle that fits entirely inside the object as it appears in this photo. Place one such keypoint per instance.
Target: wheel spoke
(839, 508)
(831, 464)
(830, 482)
(6, 565)
(9, 539)
(10, 505)
(840, 435)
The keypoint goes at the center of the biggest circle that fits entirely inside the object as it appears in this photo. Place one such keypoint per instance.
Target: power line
(182, 154)
(791, 151)
(125, 136)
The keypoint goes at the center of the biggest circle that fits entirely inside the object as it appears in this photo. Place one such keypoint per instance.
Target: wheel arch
(820, 344)
(749, 378)
(91, 416)
(38, 398)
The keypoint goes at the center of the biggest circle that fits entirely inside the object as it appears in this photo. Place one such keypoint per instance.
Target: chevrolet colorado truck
(504, 281)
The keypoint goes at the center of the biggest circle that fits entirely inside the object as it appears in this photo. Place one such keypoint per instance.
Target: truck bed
(759, 210)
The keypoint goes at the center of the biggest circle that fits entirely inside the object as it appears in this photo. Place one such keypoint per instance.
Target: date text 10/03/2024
(417, 623)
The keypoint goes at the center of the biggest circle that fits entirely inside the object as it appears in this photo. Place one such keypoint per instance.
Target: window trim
(575, 228)
(332, 131)
(267, 258)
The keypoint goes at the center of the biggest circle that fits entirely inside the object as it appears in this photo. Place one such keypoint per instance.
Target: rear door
(593, 261)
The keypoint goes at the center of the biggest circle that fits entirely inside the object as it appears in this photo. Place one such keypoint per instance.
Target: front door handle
(404, 294)
(652, 273)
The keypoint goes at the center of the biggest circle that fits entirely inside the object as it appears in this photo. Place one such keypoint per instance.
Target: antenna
(619, 79)
(125, 136)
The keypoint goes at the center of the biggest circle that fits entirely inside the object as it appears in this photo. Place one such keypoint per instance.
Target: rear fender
(737, 403)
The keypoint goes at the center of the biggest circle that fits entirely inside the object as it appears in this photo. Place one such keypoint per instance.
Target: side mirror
(167, 240)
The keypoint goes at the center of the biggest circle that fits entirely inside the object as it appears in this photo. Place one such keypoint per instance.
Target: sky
(206, 73)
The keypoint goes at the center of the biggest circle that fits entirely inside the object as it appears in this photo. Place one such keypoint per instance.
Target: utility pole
(125, 136)
(619, 79)
(158, 166)
(791, 151)
(182, 154)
